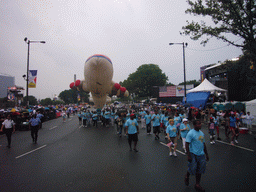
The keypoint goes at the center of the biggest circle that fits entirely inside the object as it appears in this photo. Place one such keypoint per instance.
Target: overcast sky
(129, 32)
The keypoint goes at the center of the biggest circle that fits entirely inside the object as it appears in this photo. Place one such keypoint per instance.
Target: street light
(185, 90)
(28, 42)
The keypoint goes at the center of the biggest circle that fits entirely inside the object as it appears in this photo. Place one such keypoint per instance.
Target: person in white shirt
(249, 119)
(9, 126)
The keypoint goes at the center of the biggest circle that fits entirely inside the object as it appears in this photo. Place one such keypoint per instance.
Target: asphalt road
(69, 157)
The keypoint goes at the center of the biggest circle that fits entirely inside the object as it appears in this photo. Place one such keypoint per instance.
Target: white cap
(184, 120)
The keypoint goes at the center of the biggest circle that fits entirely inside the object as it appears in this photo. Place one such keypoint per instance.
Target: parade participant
(197, 154)
(211, 127)
(165, 121)
(156, 124)
(171, 132)
(142, 119)
(216, 120)
(34, 126)
(95, 119)
(120, 123)
(9, 127)
(40, 116)
(177, 122)
(232, 126)
(64, 116)
(184, 129)
(237, 129)
(88, 116)
(132, 129)
(79, 118)
(249, 119)
(84, 117)
(148, 122)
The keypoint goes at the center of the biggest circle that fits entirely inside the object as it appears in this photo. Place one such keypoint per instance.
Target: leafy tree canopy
(32, 100)
(237, 17)
(70, 96)
(142, 81)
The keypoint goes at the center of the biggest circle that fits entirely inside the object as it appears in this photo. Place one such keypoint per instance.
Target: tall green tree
(70, 96)
(32, 100)
(237, 17)
(46, 101)
(143, 80)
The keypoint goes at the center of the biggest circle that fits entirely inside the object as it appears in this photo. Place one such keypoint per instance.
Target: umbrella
(23, 111)
(46, 108)
(30, 110)
(13, 110)
(15, 113)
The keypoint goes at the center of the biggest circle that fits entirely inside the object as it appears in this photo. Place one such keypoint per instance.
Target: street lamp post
(184, 68)
(28, 42)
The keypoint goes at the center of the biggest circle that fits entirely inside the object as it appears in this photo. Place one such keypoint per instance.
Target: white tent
(251, 107)
(206, 86)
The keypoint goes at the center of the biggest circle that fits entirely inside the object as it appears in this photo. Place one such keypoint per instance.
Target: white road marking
(30, 151)
(53, 128)
(235, 146)
(80, 126)
(176, 149)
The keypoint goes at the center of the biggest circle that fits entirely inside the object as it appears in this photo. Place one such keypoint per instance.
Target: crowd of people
(170, 123)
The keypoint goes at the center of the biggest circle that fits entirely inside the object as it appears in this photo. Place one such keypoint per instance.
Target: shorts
(133, 137)
(173, 139)
(211, 131)
(156, 129)
(197, 165)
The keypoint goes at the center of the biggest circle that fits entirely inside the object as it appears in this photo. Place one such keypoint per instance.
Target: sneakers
(174, 153)
(236, 141)
(170, 154)
(211, 142)
(199, 188)
(232, 143)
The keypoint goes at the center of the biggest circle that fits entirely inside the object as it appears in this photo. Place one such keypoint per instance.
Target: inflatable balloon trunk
(98, 74)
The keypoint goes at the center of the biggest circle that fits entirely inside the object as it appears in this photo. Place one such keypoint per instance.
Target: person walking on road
(132, 129)
(9, 127)
(184, 129)
(197, 154)
(171, 132)
(148, 122)
(34, 123)
(156, 124)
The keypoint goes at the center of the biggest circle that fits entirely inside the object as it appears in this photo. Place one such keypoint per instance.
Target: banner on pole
(32, 77)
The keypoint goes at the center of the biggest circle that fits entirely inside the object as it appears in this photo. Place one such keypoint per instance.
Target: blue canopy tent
(198, 99)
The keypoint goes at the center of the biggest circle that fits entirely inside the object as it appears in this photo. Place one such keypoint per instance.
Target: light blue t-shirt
(34, 121)
(156, 120)
(107, 115)
(131, 124)
(165, 120)
(84, 115)
(95, 116)
(184, 133)
(171, 130)
(177, 120)
(196, 142)
(148, 118)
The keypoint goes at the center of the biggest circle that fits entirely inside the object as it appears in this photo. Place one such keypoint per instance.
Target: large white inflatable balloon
(98, 74)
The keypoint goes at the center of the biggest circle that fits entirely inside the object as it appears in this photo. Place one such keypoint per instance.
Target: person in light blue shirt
(79, 118)
(184, 129)
(34, 126)
(147, 117)
(197, 154)
(132, 129)
(171, 132)
(84, 117)
(95, 119)
(165, 121)
(107, 117)
(156, 124)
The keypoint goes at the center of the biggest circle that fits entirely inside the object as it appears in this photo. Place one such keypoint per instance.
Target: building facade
(5, 82)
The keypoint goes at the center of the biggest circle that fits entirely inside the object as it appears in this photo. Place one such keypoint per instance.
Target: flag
(32, 77)
(167, 91)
